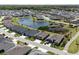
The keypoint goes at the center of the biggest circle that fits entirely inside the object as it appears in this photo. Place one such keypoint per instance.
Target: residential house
(42, 35)
(57, 39)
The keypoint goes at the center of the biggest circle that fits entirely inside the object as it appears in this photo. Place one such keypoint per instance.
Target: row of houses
(24, 50)
(55, 14)
(19, 13)
(14, 12)
(54, 38)
(57, 27)
(26, 32)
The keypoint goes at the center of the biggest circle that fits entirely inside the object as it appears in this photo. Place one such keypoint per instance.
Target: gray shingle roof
(5, 43)
(6, 46)
(42, 35)
(56, 38)
(37, 52)
(18, 50)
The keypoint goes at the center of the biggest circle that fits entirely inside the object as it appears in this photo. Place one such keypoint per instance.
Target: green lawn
(42, 42)
(58, 47)
(30, 38)
(9, 31)
(73, 30)
(1, 23)
(51, 53)
(34, 18)
(17, 35)
(14, 20)
(74, 48)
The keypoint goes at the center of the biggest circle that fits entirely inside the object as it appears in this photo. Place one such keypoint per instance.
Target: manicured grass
(1, 23)
(20, 43)
(74, 48)
(58, 47)
(73, 30)
(42, 42)
(36, 47)
(34, 18)
(9, 31)
(30, 38)
(15, 20)
(17, 35)
(51, 53)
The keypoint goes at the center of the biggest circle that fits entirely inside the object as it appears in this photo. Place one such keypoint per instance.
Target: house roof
(39, 17)
(42, 35)
(57, 38)
(18, 50)
(37, 52)
(6, 45)
(58, 29)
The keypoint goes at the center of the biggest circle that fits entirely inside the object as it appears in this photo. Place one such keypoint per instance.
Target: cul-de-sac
(39, 29)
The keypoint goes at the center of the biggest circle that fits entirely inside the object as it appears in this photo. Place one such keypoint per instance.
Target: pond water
(30, 23)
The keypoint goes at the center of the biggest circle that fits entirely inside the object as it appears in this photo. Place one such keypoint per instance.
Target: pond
(29, 22)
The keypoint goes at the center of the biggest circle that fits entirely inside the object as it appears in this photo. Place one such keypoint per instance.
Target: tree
(43, 28)
(2, 51)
